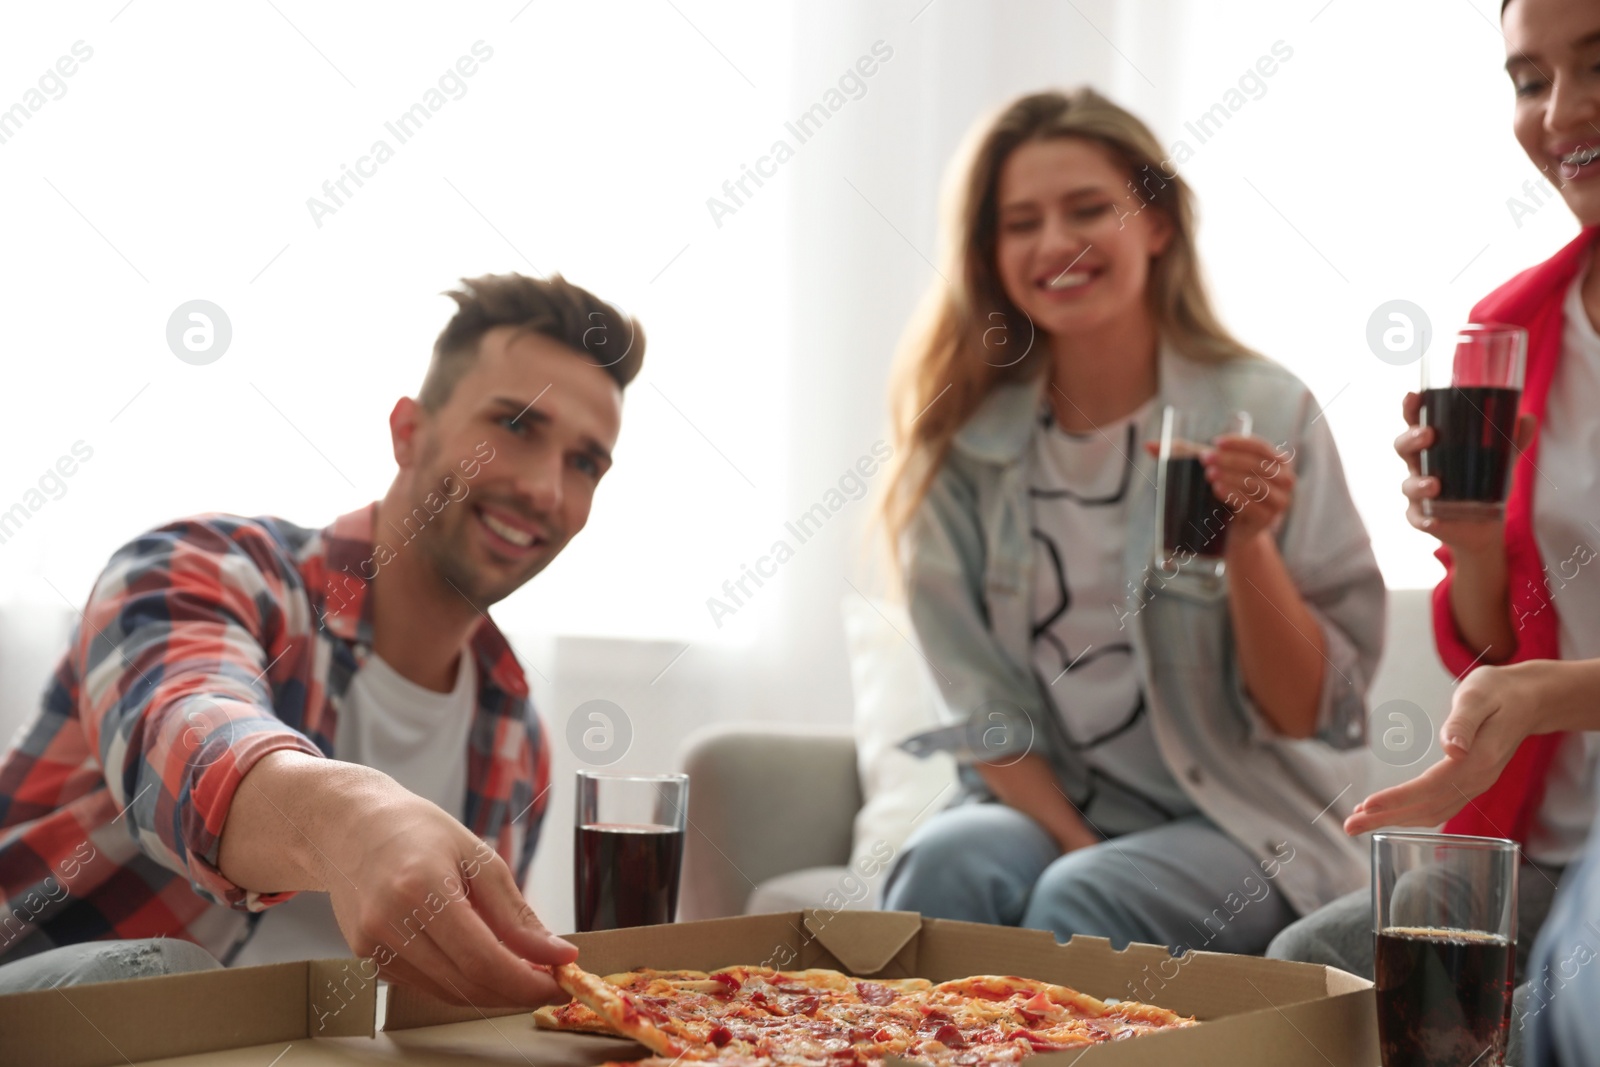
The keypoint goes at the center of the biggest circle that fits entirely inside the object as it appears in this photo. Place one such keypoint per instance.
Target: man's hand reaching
(411, 887)
(438, 909)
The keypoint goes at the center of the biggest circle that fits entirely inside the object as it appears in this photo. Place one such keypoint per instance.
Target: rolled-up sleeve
(172, 650)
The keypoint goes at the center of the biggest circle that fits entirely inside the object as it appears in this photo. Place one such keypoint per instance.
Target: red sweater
(1533, 300)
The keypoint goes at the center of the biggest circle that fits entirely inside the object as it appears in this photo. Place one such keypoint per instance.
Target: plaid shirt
(207, 644)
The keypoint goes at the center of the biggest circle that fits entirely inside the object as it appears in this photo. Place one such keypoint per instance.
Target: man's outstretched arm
(176, 643)
(411, 887)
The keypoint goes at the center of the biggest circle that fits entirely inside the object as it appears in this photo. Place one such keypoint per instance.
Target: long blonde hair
(968, 336)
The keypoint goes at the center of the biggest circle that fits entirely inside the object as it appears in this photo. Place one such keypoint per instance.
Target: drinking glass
(1470, 399)
(1444, 915)
(628, 848)
(1191, 523)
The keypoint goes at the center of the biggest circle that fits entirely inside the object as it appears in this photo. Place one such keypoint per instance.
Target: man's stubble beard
(445, 545)
(444, 542)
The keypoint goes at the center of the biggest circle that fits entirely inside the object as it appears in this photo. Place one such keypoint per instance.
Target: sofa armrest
(764, 800)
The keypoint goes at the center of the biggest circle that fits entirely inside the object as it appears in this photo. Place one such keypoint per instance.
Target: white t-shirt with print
(1079, 488)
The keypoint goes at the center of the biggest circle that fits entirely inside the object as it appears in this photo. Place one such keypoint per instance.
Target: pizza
(605, 1002)
(760, 1017)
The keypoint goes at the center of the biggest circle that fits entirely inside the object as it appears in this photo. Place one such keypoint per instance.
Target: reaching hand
(412, 889)
(1493, 710)
(438, 909)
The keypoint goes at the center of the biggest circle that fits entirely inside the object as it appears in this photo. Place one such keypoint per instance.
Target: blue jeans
(1184, 884)
(1558, 1004)
(103, 961)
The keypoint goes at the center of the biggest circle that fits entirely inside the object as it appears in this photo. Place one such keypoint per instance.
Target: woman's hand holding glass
(1255, 480)
(1463, 536)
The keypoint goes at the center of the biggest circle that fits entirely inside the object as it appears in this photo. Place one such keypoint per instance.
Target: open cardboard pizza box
(323, 1013)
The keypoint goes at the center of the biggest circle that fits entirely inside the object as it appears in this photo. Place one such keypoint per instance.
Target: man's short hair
(595, 330)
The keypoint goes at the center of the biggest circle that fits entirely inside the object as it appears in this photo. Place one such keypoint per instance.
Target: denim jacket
(969, 571)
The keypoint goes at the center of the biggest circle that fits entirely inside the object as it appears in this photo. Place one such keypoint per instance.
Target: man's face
(506, 469)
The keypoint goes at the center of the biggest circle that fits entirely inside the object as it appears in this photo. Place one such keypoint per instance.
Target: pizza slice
(616, 1009)
(685, 1005)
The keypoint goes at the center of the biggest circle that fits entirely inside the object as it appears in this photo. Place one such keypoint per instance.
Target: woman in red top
(1518, 594)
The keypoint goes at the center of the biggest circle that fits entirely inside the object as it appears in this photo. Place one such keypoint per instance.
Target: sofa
(781, 817)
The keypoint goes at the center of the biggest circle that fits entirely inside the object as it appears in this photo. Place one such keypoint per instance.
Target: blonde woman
(1164, 763)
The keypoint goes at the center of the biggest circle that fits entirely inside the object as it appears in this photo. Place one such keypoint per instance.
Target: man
(249, 709)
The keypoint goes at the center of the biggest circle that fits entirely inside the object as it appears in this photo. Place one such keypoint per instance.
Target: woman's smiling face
(1075, 242)
(1553, 57)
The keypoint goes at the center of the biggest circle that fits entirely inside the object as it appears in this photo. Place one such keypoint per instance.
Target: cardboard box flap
(341, 998)
(864, 941)
(1342, 981)
(108, 1023)
(410, 1008)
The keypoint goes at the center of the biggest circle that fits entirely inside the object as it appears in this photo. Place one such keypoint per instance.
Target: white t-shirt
(1080, 486)
(414, 735)
(1566, 523)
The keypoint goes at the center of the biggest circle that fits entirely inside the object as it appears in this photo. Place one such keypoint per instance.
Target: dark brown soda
(1444, 997)
(627, 875)
(1194, 521)
(1473, 428)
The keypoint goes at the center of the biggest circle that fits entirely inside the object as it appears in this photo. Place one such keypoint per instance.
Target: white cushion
(894, 698)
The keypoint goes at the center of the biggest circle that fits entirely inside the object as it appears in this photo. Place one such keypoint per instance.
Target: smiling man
(250, 709)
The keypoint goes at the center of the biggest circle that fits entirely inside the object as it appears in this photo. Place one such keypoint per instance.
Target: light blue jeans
(1558, 1005)
(1185, 884)
(103, 961)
